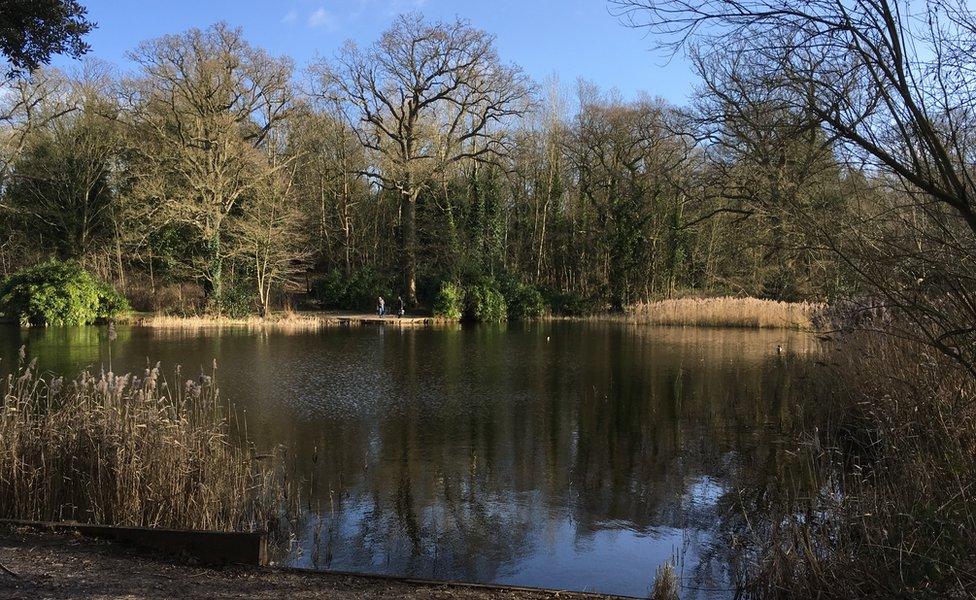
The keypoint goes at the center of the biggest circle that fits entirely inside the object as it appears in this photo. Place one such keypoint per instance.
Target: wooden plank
(210, 547)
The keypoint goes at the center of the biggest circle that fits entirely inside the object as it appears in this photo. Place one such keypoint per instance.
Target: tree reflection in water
(569, 455)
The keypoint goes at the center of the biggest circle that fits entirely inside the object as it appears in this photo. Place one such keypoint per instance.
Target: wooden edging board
(211, 547)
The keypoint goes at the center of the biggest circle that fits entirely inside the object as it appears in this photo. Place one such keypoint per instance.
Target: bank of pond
(57, 293)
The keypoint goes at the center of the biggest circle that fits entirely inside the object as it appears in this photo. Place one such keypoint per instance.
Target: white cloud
(387, 7)
(322, 18)
(290, 17)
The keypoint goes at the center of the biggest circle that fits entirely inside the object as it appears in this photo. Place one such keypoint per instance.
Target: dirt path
(52, 566)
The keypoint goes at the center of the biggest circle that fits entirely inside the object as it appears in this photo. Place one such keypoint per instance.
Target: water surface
(564, 455)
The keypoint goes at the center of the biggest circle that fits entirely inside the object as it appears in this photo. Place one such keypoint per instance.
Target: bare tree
(550, 129)
(271, 236)
(200, 111)
(769, 168)
(424, 97)
(26, 105)
(329, 157)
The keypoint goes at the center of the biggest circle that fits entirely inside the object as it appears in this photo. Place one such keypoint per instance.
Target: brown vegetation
(289, 321)
(726, 312)
(894, 515)
(129, 450)
(666, 583)
(285, 321)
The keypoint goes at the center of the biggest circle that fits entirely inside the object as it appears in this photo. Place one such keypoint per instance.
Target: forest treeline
(214, 176)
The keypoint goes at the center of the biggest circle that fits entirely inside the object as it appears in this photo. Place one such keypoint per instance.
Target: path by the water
(45, 565)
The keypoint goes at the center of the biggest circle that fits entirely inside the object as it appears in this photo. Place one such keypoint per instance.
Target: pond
(565, 455)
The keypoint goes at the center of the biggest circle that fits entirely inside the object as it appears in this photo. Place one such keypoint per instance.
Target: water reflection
(563, 455)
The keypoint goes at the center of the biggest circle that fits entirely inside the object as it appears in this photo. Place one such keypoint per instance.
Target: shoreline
(297, 321)
(40, 564)
(699, 312)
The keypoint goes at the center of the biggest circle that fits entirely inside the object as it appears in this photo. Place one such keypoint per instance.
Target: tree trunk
(118, 251)
(346, 223)
(410, 243)
(454, 243)
(215, 272)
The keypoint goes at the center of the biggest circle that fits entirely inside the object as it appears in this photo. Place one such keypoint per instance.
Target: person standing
(401, 308)
(381, 306)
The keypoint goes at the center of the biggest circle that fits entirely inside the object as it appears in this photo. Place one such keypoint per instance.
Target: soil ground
(40, 565)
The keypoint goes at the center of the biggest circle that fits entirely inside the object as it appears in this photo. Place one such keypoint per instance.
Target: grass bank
(725, 312)
(133, 450)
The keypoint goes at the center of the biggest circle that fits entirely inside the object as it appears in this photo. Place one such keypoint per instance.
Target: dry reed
(666, 584)
(126, 450)
(287, 321)
(725, 312)
(896, 468)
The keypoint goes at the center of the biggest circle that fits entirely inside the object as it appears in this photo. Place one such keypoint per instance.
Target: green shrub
(358, 292)
(568, 303)
(524, 301)
(428, 286)
(238, 301)
(330, 290)
(364, 287)
(449, 301)
(484, 303)
(111, 303)
(59, 293)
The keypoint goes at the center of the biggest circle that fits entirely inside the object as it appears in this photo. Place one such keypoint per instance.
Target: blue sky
(570, 38)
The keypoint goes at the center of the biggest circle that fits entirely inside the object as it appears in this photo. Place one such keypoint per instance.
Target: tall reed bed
(726, 312)
(130, 450)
